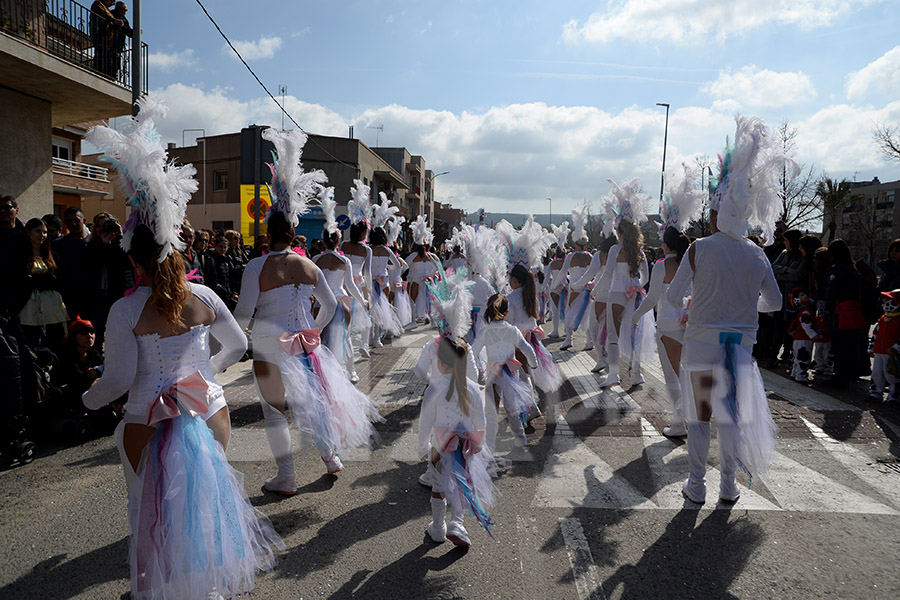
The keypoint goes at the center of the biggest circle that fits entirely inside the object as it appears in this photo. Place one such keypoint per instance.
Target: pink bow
(303, 341)
(448, 440)
(402, 284)
(193, 275)
(633, 290)
(537, 333)
(497, 367)
(192, 393)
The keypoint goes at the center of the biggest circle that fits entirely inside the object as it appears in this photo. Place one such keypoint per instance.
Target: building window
(220, 180)
(222, 225)
(62, 149)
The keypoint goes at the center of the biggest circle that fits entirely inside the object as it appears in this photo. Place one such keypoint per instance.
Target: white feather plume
(579, 220)
(630, 202)
(747, 194)
(292, 188)
(358, 208)
(329, 205)
(682, 202)
(383, 211)
(451, 303)
(561, 233)
(486, 255)
(393, 229)
(422, 234)
(158, 191)
(527, 245)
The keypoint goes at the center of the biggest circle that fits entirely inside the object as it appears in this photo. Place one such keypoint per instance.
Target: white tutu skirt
(636, 342)
(360, 322)
(423, 302)
(738, 398)
(464, 480)
(336, 334)
(577, 311)
(383, 314)
(193, 529)
(517, 396)
(327, 409)
(546, 376)
(402, 304)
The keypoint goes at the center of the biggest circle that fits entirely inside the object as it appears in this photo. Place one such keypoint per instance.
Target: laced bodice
(335, 280)
(380, 265)
(285, 308)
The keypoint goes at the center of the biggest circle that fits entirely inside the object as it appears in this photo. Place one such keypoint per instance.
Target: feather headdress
(329, 204)
(393, 229)
(358, 208)
(292, 188)
(527, 245)
(451, 303)
(682, 202)
(579, 220)
(157, 190)
(422, 234)
(747, 191)
(383, 211)
(486, 254)
(627, 204)
(561, 233)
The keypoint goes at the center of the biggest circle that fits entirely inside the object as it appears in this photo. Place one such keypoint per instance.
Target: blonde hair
(632, 243)
(169, 288)
(453, 355)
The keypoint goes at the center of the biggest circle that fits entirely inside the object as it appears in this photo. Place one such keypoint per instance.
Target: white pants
(881, 379)
(803, 350)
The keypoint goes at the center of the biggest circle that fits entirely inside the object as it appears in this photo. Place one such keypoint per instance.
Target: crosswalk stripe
(584, 571)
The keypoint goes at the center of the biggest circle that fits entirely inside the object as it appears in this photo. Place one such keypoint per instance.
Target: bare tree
(801, 206)
(701, 227)
(887, 138)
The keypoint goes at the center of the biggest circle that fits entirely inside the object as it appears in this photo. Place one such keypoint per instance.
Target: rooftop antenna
(378, 129)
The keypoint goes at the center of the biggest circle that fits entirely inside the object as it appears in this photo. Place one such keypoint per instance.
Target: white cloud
(165, 61)
(264, 47)
(695, 21)
(510, 158)
(753, 87)
(300, 32)
(881, 75)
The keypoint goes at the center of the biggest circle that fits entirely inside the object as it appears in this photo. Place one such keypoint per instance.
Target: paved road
(590, 509)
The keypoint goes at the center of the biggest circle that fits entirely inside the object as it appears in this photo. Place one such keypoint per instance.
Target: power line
(266, 90)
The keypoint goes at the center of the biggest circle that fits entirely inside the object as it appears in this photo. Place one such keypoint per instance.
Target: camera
(112, 226)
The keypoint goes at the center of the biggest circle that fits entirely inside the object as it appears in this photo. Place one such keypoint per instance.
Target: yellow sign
(250, 206)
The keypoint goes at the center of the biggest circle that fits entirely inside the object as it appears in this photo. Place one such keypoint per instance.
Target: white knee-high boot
(554, 315)
(567, 343)
(456, 531)
(492, 421)
(728, 488)
(437, 529)
(592, 327)
(613, 355)
(279, 434)
(698, 451)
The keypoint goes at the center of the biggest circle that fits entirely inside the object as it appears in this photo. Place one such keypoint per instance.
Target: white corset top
(357, 262)
(163, 361)
(575, 273)
(379, 265)
(335, 281)
(621, 278)
(284, 309)
(500, 341)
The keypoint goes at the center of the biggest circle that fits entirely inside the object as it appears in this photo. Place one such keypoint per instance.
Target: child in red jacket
(803, 330)
(884, 347)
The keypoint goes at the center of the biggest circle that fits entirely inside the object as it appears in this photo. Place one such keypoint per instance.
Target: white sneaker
(729, 491)
(426, 479)
(377, 343)
(364, 352)
(354, 378)
(458, 535)
(437, 532)
(610, 380)
(333, 465)
(588, 348)
(281, 484)
(601, 364)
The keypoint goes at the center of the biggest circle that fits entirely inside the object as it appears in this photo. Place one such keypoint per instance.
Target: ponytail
(453, 355)
(529, 289)
(497, 306)
(169, 288)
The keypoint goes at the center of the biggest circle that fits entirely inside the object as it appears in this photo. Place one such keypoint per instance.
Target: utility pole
(136, 58)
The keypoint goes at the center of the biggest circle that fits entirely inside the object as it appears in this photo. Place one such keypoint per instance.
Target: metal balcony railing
(73, 33)
(83, 170)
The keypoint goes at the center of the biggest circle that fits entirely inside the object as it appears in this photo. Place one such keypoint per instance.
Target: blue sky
(524, 100)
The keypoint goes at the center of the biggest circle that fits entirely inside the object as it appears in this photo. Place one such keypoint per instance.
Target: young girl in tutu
(523, 314)
(506, 350)
(451, 439)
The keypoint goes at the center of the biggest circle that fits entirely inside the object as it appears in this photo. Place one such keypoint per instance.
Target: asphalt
(591, 508)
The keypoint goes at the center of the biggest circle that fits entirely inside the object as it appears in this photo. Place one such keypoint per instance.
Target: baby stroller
(25, 383)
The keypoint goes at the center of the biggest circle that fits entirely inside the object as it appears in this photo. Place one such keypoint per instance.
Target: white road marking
(585, 572)
(800, 395)
(859, 464)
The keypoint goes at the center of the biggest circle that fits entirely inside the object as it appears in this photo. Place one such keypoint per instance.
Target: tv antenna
(282, 89)
(378, 129)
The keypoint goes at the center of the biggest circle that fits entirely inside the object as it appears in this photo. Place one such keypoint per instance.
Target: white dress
(402, 303)
(336, 335)
(546, 375)
(420, 272)
(213, 538)
(384, 315)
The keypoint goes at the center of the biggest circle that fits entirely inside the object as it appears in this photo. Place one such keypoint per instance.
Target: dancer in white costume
(339, 274)
(399, 294)
(423, 266)
(385, 320)
(576, 264)
(555, 291)
(176, 426)
(680, 205)
(503, 343)
(599, 295)
(360, 256)
(522, 314)
(731, 282)
(291, 368)
(624, 276)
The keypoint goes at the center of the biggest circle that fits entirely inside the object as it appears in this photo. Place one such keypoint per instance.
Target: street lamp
(551, 209)
(662, 182)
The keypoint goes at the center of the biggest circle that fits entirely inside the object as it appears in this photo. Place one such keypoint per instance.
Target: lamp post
(550, 200)
(662, 182)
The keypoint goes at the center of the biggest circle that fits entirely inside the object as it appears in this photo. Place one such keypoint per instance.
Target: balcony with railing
(70, 31)
(81, 178)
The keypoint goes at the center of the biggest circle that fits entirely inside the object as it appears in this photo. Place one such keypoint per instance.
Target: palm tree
(834, 195)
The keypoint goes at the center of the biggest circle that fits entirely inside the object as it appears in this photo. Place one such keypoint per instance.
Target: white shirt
(732, 283)
(500, 341)
(517, 315)
(437, 411)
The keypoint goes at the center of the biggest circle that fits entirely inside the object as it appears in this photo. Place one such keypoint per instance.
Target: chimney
(351, 132)
(170, 146)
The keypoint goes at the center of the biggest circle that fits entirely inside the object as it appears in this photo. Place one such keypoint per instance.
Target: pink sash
(448, 440)
(192, 393)
(496, 368)
(301, 342)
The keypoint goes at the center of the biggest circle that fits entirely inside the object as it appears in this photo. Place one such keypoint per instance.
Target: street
(591, 508)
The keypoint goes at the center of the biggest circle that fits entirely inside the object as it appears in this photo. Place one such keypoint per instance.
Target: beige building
(50, 86)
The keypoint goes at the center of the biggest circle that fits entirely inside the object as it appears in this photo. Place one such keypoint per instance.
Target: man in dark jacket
(843, 305)
(12, 240)
(218, 272)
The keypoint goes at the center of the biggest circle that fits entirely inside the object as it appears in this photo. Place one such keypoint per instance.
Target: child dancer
(503, 343)
(399, 296)
(451, 435)
(573, 270)
(523, 314)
